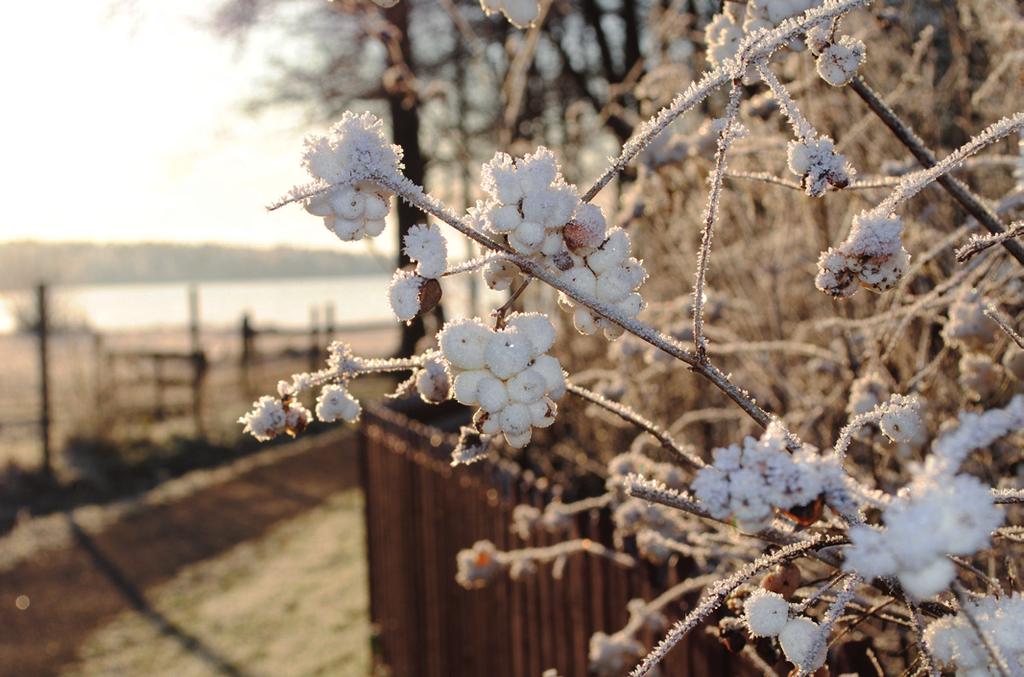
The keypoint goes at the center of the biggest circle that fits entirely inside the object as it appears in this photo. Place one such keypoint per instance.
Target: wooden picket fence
(420, 512)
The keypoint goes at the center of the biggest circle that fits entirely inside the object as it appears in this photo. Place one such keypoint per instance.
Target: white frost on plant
(267, 419)
(404, 294)
(766, 613)
(967, 326)
(747, 483)
(727, 30)
(432, 380)
(426, 245)
(506, 373)
(818, 165)
(344, 164)
(798, 638)
(610, 274)
(839, 62)
(872, 256)
(336, 403)
(520, 13)
(612, 655)
(940, 513)
(954, 642)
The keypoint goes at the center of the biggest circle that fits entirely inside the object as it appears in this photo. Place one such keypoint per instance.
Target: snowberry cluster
(955, 643)
(554, 518)
(838, 62)
(818, 165)
(335, 403)
(747, 483)
(507, 373)
(413, 292)
(271, 417)
(536, 212)
(613, 655)
(343, 164)
(951, 516)
(621, 466)
(432, 380)
(520, 13)
(967, 326)
(980, 376)
(611, 275)
(941, 513)
(477, 566)
(767, 615)
(725, 31)
(872, 256)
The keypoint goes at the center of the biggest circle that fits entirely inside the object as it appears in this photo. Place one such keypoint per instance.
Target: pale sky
(131, 128)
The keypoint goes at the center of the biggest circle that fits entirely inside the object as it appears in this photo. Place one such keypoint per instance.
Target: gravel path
(60, 588)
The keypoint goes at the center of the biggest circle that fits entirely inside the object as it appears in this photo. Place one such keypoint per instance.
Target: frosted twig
(717, 593)
(991, 647)
(801, 127)
(835, 610)
(1004, 323)
(725, 138)
(927, 660)
(626, 413)
(757, 45)
(911, 184)
(980, 243)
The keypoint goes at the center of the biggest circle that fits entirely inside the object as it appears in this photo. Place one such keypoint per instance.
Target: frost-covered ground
(293, 602)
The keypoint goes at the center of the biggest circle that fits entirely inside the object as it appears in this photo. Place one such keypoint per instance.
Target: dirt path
(73, 590)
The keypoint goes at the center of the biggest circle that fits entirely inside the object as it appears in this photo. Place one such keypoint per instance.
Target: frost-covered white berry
(508, 352)
(426, 245)
(478, 565)
(613, 655)
(404, 294)
(818, 164)
(507, 373)
(335, 403)
(872, 256)
(839, 62)
(432, 380)
(797, 639)
(500, 274)
(766, 613)
(463, 343)
(901, 421)
(267, 419)
(344, 165)
(954, 642)
(968, 327)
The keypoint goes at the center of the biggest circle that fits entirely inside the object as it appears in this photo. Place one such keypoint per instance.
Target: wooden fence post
(43, 329)
(328, 322)
(314, 338)
(198, 359)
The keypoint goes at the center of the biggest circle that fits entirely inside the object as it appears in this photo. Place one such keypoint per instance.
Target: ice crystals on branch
(872, 257)
(816, 161)
(520, 13)
(955, 643)
(506, 373)
(940, 513)
(344, 164)
(271, 417)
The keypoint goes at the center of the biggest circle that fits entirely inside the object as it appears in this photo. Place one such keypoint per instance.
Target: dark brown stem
(960, 192)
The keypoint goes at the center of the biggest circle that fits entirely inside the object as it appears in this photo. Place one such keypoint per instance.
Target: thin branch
(980, 243)
(1003, 321)
(970, 202)
(628, 414)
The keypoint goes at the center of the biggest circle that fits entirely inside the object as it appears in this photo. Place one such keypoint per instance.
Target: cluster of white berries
(955, 643)
(344, 164)
(816, 162)
(611, 275)
(554, 518)
(838, 62)
(872, 256)
(725, 31)
(621, 466)
(536, 212)
(507, 373)
(941, 513)
(271, 417)
(980, 376)
(951, 516)
(767, 615)
(520, 13)
(477, 566)
(413, 292)
(613, 655)
(432, 380)
(747, 483)
(335, 403)
(901, 420)
(967, 325)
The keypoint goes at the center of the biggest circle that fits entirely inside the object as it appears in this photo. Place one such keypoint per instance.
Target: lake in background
(284, 302)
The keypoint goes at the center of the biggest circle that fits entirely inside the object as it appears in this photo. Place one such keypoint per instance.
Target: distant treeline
(24, 263)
